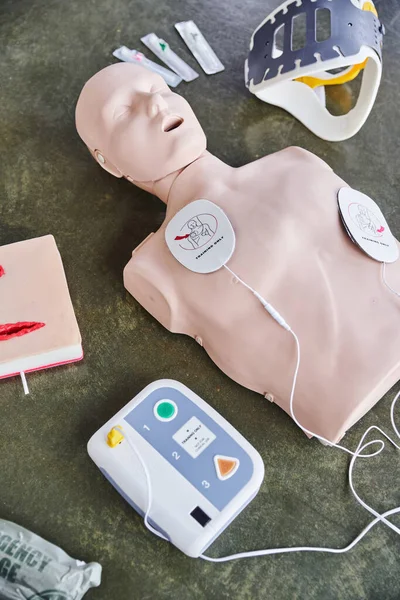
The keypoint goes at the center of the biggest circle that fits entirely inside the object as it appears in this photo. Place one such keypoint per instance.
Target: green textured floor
(49, 184)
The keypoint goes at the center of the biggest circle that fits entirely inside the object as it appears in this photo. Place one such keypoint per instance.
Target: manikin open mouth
(171, 122)
(12, 330)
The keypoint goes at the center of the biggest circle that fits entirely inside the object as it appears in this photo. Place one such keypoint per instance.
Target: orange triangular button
(225, 466)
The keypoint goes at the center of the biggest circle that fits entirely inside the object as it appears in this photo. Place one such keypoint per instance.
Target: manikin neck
(198, 171)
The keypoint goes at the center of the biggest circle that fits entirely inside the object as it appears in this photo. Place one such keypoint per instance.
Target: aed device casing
(203, 472)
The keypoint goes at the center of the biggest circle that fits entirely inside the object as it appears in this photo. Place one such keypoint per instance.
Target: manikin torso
(292, 248)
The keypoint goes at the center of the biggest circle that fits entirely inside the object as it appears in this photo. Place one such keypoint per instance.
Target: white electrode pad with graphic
(202, 471)
(366, 225)
(201, 237)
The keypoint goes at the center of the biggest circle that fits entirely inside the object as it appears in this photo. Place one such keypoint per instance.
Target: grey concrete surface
(50, 184)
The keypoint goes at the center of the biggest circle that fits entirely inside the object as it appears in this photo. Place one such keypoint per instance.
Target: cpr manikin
(290, 246)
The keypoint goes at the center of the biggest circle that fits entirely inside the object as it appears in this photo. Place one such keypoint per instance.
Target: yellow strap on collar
(349, 75)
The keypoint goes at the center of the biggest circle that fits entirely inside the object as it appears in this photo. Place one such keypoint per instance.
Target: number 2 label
(176, 455)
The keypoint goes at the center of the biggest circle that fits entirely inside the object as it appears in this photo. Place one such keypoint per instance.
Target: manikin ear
(110, 168)
(105, 163)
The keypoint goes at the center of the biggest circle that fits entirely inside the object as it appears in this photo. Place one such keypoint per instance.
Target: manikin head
(135, 126)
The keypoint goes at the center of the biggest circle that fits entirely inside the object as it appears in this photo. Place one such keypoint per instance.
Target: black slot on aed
(200, 516)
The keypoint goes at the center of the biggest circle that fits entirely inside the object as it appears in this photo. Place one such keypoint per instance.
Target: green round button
(165, 410)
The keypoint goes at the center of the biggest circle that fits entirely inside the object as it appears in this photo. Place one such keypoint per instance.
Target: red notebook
(38, 327)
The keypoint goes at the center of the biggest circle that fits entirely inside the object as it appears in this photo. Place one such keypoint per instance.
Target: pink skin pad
(38, 327)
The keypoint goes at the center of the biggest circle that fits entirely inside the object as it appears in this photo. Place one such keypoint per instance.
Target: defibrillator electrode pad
(293, 76)
(201, 237)
(366, 225)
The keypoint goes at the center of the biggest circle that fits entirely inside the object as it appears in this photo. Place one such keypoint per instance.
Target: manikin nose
(157, 104)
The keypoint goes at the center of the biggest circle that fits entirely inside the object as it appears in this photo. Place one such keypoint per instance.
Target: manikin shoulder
(288, 158)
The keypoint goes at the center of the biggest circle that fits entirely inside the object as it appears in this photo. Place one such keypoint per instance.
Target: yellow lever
(114, 437)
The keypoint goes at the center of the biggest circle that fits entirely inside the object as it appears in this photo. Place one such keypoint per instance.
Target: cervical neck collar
(290, 78)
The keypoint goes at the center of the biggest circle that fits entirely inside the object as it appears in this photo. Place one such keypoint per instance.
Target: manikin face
(130, 116)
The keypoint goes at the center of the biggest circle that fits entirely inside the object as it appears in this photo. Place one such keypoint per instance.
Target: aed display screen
(194, 437)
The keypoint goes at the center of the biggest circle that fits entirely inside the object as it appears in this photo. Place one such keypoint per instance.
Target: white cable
(268, 552)
(148, 483)
(274, 313)
(360, 448)
(386, 283)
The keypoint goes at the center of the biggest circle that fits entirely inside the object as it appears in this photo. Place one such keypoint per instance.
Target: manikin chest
(292, 248)
(284, 212)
